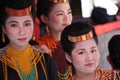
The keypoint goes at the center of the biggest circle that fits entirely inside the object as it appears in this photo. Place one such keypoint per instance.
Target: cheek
(77, 60)
(30, 31)
(10, 32)
(55, 19)
(71, 18)
(97, 57)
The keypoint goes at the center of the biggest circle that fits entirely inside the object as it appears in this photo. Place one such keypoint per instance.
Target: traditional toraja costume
(100, 74)
(29, 64)
(103, 75)
(36, 28)
(56, 51)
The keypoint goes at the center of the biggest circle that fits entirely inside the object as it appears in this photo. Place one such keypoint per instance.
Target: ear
(68, 57)
(3, 29)
(44, 19)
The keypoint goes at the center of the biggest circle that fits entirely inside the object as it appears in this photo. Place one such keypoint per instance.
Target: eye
(81, 53)
(70, 12)
(13, 25)
(93, 51)
(27, 24)
(59, 14)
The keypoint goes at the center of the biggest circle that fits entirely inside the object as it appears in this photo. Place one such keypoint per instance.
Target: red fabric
(36, 28)
(101, 29)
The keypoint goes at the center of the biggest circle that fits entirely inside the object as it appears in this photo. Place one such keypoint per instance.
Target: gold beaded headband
(15, 12)
(81, 38)
(59, 1)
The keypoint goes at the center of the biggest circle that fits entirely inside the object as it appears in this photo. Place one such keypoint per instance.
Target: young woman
(19, 60)
(56, 14)
(114, 52)
(79, 41)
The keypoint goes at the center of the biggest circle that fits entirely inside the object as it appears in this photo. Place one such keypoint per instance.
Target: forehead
(61, 5)
(19, 18)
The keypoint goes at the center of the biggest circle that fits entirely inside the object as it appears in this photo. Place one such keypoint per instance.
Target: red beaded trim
(81, 37)
(16, 12)
(59, 1)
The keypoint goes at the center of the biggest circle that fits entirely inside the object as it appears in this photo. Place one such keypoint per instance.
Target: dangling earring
(3, 37)
(47, 30)
(33, 37)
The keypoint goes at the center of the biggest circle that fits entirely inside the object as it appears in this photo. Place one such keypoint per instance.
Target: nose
(21, 30)
(66, 17)
(89, 56)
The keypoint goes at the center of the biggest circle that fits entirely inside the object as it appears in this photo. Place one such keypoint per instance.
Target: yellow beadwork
(59, 1)
(81, 38)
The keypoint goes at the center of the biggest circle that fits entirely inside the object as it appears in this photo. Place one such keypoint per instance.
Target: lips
(65, 25)
(22, 39)
(89, 64)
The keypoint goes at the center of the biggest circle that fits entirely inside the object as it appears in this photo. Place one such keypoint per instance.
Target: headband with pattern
(81, 38)
(16, 12)
(59, 1)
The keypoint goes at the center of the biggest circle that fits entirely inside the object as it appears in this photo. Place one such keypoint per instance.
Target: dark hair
(99, 15)
(14, 4)
(44, 7)
(114, 51)
(19, 4)
(75, 29)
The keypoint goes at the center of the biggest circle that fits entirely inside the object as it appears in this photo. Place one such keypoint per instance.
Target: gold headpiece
(81, 38)
(16, 12)
(59, 1)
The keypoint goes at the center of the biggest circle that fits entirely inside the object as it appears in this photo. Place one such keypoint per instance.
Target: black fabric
(50, 69)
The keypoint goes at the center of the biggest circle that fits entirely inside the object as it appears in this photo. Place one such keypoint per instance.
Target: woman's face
(59, 17)
(85, 56)
(19, 30)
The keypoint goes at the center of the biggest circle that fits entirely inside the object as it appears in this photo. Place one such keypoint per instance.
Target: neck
(55, 36)
(19, 48)
(89, 76)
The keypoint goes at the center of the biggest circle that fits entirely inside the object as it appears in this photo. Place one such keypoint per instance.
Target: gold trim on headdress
(59, 1)
(15, 12)
(81, 38)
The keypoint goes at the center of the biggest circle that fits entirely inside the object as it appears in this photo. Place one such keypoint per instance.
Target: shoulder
(40, 52)
(2, 51)
(107, 74)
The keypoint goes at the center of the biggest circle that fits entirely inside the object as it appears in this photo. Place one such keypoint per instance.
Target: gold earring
(3, 37)
(33, 37)
(47, 30)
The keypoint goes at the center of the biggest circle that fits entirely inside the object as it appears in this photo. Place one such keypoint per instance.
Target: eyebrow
(17, 21)
(84, 49)
(80, 49)
(62, 11)
(12, 22)
(93, 47)
(28, 21)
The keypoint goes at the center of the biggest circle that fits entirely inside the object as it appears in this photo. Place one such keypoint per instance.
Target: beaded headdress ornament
(16, 12)
(81, 38)
(59, 1)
